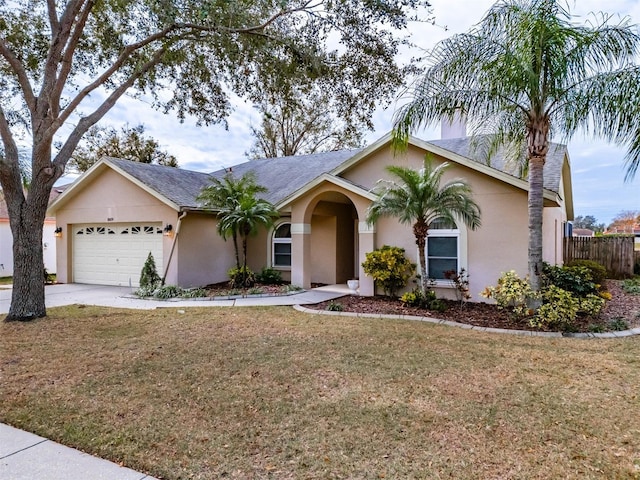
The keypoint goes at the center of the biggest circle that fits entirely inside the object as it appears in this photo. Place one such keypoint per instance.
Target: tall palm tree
(245, 217)
(419, 198)
(527, 71)
(224, 195)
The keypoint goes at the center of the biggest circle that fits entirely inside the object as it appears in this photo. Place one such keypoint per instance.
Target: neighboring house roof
(630, 231)
(55, 193)
(582, 232)
(288, 177)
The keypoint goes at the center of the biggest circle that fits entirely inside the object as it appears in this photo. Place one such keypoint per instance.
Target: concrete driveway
(122, 297)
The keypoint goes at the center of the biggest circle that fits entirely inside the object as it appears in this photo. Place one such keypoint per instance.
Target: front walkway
(122, 297)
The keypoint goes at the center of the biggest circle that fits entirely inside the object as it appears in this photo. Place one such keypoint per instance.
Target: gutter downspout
(173, 245)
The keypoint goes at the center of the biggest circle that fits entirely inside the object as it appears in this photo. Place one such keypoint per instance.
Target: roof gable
(459, 150)
(174, 187)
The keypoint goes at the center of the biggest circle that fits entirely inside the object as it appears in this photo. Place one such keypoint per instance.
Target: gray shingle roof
(285, 175)
(176, 184)
(552, 167)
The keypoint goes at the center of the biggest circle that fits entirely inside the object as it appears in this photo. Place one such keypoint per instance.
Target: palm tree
(245, 217)
(224, 195)
(526, 71)
(419, 199)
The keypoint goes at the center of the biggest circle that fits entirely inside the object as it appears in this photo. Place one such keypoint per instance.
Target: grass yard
(273, 393)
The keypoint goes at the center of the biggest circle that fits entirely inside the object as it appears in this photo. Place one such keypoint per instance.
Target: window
(281, 254)
(443, 249)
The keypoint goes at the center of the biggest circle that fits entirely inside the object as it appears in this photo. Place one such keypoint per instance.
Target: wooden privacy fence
(615, 253)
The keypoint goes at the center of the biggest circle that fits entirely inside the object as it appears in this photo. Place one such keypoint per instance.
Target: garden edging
(621, 334)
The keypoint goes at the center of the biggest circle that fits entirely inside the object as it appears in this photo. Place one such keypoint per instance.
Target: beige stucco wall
(260, 250)
(109, 198)
(499, 245)
(202, 257)
(552, 237)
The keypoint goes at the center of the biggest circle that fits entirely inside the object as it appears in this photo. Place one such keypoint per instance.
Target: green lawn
(6, 280)
(273, 393)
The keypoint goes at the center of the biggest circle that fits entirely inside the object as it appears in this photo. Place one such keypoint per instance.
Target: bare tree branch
(11, 174)
(53, 17)
(102, 79)
(67, 59)
(21, 73)
(87, 122)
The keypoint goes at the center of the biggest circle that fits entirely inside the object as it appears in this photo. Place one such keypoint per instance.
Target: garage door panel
(115, 254)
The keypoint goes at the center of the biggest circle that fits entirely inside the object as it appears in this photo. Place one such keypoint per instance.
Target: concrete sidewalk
(25, 456)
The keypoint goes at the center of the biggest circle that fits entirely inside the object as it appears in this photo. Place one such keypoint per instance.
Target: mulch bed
(223, 288)
(621, 306)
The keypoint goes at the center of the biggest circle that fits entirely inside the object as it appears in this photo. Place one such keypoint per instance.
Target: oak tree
(304, 123)
(65, 63)
(129, 143)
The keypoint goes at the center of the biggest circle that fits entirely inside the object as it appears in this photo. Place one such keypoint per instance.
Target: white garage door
(115, 254)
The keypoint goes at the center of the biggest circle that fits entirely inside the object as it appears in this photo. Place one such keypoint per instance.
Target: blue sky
(598, 173)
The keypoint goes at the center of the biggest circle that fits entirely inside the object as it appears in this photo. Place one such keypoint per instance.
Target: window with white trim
(281, 242)
(442, 249)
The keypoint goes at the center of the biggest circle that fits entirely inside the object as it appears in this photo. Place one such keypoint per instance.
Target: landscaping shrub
(149, 278)
(389, 267)
(193, 293)
(591, 305)
(598, 271)
(290, 288)
(618, 324)
(437, 305)
(145, 291)
(334, 307)
(576, 279)
(559, 309)
(242, 277)
(632, 286)
(417, 298)
(48, 277)
(596, 328)
(511, 292)
(460, 281)
(269, 276)
(168, 291)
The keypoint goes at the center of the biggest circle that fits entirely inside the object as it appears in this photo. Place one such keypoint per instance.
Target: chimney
(455, 127)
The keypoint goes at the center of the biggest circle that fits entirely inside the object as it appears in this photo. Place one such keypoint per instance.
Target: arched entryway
(334, 227)
(330, 237)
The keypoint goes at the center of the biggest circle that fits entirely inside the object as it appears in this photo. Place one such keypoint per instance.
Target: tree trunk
(27, 299)
(536, 208)
(420, 232)
(244, 265)
(537, 145)
(234, 236)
